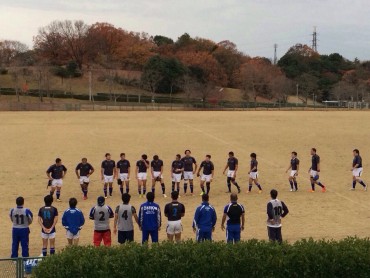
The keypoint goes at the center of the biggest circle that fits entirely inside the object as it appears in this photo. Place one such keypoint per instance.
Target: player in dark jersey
(207, 175)
(56, 173)
(156, 167)
(234, 213)
(177, 168)
(174, 211)
(232, 165)
(357, 170)
(190, 168)
(83, 172)
(314, 172)
(293, 167)
(123, 170)
(142, 166)
(48, 218)
(108, 174)
(253, 174)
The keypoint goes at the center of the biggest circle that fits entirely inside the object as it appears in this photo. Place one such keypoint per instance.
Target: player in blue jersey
(253, 174)
(108, 172)
(56, 174)
(73, 220)
(123, 171)
(21, 218)
(190, 168)
(232, 167)
(293, 167)
(48, 218)
(234, 216)
(150, 219)
(207, 174)
(204, 221)
(314, 172)
(83, 172)
(357, 170)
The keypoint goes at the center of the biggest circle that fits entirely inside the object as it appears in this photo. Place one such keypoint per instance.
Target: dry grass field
(30, 142)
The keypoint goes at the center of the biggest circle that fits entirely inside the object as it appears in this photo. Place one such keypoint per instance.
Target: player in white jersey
(123, 220)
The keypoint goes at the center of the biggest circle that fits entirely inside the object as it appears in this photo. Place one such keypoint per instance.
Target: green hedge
(306, 258)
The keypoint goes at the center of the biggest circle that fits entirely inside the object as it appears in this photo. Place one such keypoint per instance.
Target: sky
(343, 26)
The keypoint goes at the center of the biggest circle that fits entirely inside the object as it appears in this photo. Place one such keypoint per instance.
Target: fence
(17, 268)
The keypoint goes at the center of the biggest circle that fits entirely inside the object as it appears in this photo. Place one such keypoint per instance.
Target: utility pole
(90, 85)
(296, 104)
(275, 53)
(314, 39)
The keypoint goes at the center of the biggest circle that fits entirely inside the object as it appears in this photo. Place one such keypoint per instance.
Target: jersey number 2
(102, 216)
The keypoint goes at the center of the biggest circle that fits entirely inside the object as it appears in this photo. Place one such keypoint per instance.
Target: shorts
(293, 173)
(84, 179)
(104, 236)
(188, 175)
(47, 236)
(108, 179)
(72, 236)
(206, 178)
(125, 236)
(174, 227)
(314, 174)
(176, 177)
(230, 173)
(357, 172)
(142, 176)
(253, 175)
(124, 177)
(56, 182)
(156, 175)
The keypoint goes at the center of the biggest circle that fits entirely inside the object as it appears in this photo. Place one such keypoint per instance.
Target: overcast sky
(343, 26)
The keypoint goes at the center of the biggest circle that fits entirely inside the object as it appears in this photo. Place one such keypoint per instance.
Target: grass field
(31, 141)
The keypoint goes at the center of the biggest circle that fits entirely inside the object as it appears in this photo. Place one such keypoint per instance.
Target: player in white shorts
(177, 169)
(190, 168)
(108, 172)
(83, 172)
(293, 167)
(207, 174)
(123, 169)
(48, 218)
(232, 168)
(357, 170)
(174, 211)
(55, 174)
(253, 174)
(314, 172)
(156, 167)
(142, 166)
(73, 220)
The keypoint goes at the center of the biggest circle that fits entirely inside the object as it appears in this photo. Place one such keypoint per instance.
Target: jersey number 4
(124, 215)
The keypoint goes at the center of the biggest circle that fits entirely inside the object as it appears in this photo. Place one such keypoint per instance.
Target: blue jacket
(73, 219)
(205, 217)
(150, 216)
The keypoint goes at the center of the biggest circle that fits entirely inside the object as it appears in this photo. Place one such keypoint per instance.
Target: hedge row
(306, 258)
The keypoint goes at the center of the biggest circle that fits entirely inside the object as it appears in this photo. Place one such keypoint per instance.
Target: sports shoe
(201, 193)
(85, 197)
(323, 189)
(106, 197)
(227, 192)
(312, 191)
(351, 189)
(365, 189)
(239, 189)
(259, 191)
(59, 200)
(248, 191)
(192, 194)
(291, 190)
(164, 195)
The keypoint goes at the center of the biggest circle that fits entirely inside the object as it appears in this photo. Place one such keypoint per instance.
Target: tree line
(193, 65)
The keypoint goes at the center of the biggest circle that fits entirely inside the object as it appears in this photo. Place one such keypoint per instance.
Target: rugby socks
(185, 187)
(259, 186)
(191, 188)
(291, 184)
(173, 186)
(105, 191)
(51, 193)
(250, 188)
(144, 190)
(228, 181)
(320, 184)
(208, 184)
(296, 185)
(127, 190)
(121, 190)
(85, 192)
(58, 194)
(153, 189)
(362, 183)
(52, 251)
(202, 187)
(110, 191)
(139, 191)
(163, 188)
(236, 184)
(313, 186)
(354, 184)
(178, 188)
(45, 251)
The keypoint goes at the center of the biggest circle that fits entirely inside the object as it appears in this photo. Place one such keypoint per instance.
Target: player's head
(174, 195)
(150, 196)
(155, 157)
(294, 154)
(48, 200)
(356, 152)
(84, 160)
(253, 156)
(273, 194)
(313, 151)
(58, 161)
(100, 201)
(144, 156)
(208, 157)
(231, 154)
(122, 155)
(205, 197)
(107, 156)
(233, 197)
(126, 198)
(72, 203)
(187, 152)
(19, 201)
(178, 157)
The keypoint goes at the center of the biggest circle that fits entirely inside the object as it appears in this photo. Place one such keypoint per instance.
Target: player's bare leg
(233, 181)
(178, 237)
(250, 184)
(144, 187)
(258, 185)
(44, 246)
(170, 237)
(202, 187)
(139, 185)
(52, 190)
(360, 181)
(75, 241)
(127, 186)
(84, 188)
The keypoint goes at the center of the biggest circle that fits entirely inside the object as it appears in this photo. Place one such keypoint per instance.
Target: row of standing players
(184, 168)
(149, 220)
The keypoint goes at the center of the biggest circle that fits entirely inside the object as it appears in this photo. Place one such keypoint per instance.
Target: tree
(153, 74)
(162, 40)
(9, 50)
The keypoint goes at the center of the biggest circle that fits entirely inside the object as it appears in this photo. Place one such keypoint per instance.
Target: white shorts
(56, 183)
(293, 173)
(84, 179)
(124, 177)
(174, 227)
(47, 236)
(253, 175)
(141, 176)
(357, 172)
(108, 179)
(72, 236)
(206, 178)
(176, 177)
(230, 174)
(313, 174)
(156, 175)
(188, 175)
